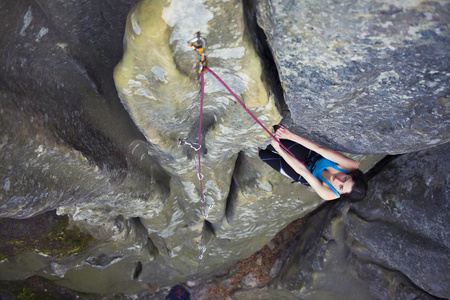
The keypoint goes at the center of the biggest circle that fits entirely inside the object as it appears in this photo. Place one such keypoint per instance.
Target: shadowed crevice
(142, 230)
(234, 188)
(270, 71)
(229, 206)
(209, 227)
(192, 138)
(379, 166)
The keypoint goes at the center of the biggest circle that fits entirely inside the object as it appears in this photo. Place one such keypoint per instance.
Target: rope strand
(198, 44)
(249, 112)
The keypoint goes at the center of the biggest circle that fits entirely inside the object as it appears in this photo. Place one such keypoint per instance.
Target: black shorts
(273, 159)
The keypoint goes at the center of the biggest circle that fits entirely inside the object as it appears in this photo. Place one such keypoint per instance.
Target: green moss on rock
(46, 234)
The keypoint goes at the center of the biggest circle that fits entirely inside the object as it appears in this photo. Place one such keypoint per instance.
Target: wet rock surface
(105, 150)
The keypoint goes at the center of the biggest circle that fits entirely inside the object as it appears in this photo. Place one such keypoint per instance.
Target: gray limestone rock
(69, 143)
(393, 245)
(91, 127)
(374, 74)
(249, 281)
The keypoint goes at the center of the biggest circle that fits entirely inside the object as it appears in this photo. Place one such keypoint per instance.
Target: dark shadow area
(380, 165)
(190, 143)
(137, 270)
(209, 227)
(229, 208)
(36, 287)
(151, 247)
(66, 77)
(270, 72)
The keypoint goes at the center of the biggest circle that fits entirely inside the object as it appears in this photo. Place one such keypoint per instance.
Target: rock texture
(393, 245)
(105, 150)
(373, 71)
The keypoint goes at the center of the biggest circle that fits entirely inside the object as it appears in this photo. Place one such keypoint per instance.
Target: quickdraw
(184, 142)
(198, 43)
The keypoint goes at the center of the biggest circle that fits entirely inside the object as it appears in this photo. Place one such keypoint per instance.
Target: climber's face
(343, 183)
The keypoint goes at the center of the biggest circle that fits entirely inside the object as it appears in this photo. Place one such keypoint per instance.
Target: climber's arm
(342, 160)
(322, 190)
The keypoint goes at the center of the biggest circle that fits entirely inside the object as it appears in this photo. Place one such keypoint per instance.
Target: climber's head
(357, 182)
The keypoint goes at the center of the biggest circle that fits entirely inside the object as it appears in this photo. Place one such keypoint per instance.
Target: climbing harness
(198, 43)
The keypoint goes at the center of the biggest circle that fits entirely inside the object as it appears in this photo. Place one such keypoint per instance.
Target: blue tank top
(321, 164)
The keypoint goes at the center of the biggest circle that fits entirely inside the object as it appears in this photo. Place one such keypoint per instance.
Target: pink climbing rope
(198, 43)
(249, 112)
(200, 139)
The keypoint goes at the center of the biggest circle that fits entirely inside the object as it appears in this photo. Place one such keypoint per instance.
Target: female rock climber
(331, 174)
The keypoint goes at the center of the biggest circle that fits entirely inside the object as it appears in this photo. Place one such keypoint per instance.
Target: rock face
(393, 245)
(339, 62)
(106, 150)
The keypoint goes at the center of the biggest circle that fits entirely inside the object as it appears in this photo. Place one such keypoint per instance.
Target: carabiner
(198, 42)
(183, 141)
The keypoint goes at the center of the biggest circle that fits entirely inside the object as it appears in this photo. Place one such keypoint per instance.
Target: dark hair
(360, 186)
